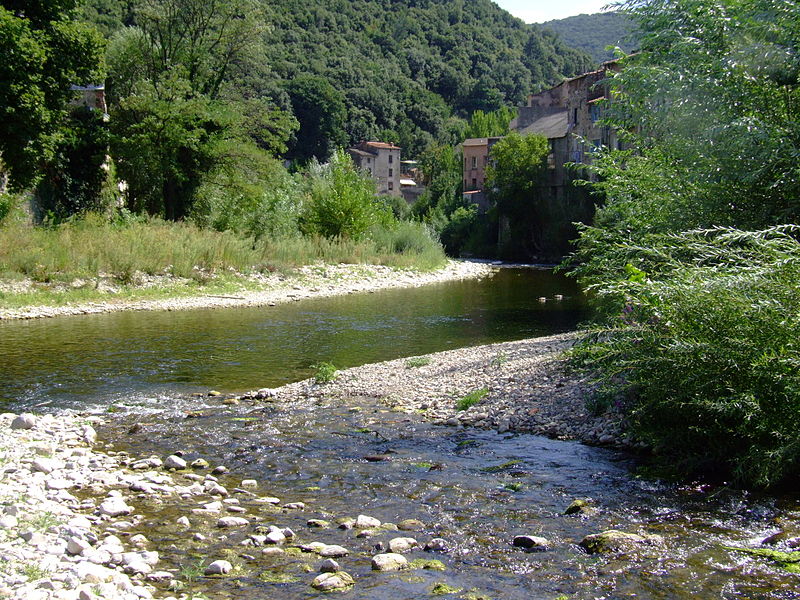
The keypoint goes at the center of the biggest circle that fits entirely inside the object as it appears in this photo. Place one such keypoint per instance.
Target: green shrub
(324, 372)
(471, 398)
(703, 351)
(341, 202)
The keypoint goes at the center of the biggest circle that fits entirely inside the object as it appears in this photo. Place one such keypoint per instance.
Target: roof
(381, 145)
(360, 152)
(479, 141)
(87, 88)
(407, 182)
(553, 124)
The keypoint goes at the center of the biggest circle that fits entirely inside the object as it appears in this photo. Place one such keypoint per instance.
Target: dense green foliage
(515, 177)
(341, 201)
(44, 52)
(405, 70)
(704, 352)
(595, 33)
(701, 327)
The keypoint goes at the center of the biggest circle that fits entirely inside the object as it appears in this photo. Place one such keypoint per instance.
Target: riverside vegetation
(693, 257)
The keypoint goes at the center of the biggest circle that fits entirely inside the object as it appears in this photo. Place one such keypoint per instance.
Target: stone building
(382, 160)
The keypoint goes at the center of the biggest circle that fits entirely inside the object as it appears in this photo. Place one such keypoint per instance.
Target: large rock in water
(616, 541)
(332, 581)
(389, 562)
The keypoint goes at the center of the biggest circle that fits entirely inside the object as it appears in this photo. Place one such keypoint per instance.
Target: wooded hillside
(404, 71)
(594, 33)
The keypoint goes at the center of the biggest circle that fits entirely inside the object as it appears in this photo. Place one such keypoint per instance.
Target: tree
(44, 53)
(165, 140)
(320, 109)
(514, 178)
(177, 119)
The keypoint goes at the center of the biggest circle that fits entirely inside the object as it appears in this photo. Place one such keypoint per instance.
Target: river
(476, 489)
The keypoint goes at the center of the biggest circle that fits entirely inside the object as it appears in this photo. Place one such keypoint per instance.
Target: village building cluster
(569, 115)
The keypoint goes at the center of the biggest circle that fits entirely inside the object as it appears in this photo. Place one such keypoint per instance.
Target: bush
(342, 202)
(703, 351)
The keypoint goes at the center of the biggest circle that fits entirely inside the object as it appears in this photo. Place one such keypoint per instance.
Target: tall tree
(44, 52)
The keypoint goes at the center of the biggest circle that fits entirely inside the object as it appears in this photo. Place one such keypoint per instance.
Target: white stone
(114, 507)
(389, 562)
(174, 462)
(365, 522)
(249, 484)
(399, 545)
(24, 421)
(183, 521)
(333, 551)
(76, 545)
(219, 567)
(232, 522)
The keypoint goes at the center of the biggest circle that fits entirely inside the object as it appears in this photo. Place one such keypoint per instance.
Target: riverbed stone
(233, 522)
(76, 545)
(333, 551)
(531, 543)
(114, 507)
(616, 541)
(437, 545)
(249, 484)
(174, 462)
(332, 581)
(329, 566)
(400, 545)
(318, 523)
(389, 561)
(218, 567)
(580, 506)
(411, 525)
(366, 522)
(24, 421)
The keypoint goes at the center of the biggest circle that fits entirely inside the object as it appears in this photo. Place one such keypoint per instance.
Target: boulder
(389, 562)
(365, 522)
(24, 421)
(174, 462)
(400, 545)
(333, 551)
(232, 522)
(531, 543)
(616, 541)
(218, 567)
(332, 581)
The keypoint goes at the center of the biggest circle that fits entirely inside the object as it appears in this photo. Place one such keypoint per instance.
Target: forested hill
(405, 70)
(593, 33)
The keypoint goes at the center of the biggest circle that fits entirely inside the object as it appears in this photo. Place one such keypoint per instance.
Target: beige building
(382, 160)
(476, 152)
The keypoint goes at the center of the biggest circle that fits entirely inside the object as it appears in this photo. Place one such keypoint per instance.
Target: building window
(391, 158)
(474, 183)
(575, 116)
(474, 162)
(595, 113)
(369, 161)
(391, 186)
(391, 172)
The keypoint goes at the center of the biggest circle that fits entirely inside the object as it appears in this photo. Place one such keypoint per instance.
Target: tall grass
(91, 246)
(703, 351)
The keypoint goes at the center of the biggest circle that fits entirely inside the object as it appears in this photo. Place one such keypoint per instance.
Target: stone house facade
(477, 156)
(382, 161)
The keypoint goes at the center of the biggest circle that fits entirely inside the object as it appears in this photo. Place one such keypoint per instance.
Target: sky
(538, 11)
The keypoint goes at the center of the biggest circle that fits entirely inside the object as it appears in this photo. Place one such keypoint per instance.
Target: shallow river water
(475, 489)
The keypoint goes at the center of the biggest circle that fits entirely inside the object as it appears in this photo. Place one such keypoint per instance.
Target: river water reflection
(75, 361)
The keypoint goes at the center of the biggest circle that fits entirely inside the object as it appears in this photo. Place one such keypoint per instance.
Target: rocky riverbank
(314, 281)
(517, 386)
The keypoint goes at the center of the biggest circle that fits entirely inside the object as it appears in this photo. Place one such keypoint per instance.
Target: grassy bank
(90, 259)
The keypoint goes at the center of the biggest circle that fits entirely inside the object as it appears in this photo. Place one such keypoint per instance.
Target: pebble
(329, 566)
